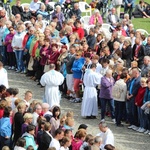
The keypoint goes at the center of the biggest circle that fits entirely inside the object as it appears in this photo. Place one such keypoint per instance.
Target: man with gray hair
(46, 111)
(51, 80)
(146, 67)
(75, 11)
(97, 143)
(106, 136)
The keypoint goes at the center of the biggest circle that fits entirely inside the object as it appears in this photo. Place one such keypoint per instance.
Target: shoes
(12, 68)
(130, 127)
(103, 120)
(114, 120)
(75, 101)
(135, 128)
(90, 117)
(9, 68)
(93, 117)
(18, 71)
(120, 125)
(147, 132)
(22, 72)
(141, 130)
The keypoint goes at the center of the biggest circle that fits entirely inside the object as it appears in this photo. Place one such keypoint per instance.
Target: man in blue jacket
(132, 87)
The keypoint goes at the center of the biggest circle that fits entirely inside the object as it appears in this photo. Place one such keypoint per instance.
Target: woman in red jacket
(79, 29)
(139, 103)
(53, 55)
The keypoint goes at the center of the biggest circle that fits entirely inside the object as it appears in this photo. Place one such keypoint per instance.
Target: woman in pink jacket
(96, 18)
(11, 54)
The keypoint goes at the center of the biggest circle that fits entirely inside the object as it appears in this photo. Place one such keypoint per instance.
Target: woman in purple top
(105, 95)
(28, 117)
(11, 54)
(58, 14)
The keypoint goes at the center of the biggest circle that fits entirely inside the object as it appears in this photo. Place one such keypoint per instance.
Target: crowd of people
(89, 67)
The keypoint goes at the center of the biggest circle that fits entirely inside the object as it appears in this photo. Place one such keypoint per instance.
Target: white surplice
(89, 104)
(3, 77)
(51, 80)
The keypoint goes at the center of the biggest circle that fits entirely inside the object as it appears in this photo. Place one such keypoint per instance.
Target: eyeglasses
(77, 55)
(11, 30)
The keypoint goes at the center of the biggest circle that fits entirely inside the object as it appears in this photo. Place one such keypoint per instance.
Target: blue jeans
(4, 142)
(3, 54)
(130, 105)
(140, 117)
(103, 107)
(19, 59)
(119, 111)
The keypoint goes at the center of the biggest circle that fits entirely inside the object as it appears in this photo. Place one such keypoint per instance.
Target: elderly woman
(59, 14)
(42, 11)
(96, 18)
(127, 52)
(11, 55)
(41, 22)
(116, 51)
(18, 48)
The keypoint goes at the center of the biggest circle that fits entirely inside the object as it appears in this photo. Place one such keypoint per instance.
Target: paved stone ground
(125, 139)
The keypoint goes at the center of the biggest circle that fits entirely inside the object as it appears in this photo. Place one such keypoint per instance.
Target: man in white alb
(89, 108)
(3, 76)
(106, 135)
(51, 80)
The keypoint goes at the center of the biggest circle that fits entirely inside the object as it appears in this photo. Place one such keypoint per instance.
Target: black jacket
(44, 141)
(16, 10)
(140, 56)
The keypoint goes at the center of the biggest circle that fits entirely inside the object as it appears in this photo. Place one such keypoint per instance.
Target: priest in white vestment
(89, 108)
(3, 76)
(51, 80)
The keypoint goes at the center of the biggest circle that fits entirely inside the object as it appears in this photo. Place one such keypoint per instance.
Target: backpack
(116, 91)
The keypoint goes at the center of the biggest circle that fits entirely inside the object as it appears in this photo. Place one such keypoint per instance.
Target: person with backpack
(119, 91)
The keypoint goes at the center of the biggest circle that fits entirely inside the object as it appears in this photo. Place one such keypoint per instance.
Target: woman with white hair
(96, 18)
(59, 14)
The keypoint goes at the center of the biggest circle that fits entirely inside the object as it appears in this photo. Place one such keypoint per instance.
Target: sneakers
(12, 68)
(75, 101)
(147, 132)
(114, 120)
(17, 71)
(103, 120)
(130, 127)
(141, 130)
(9, 68)
(135, 128)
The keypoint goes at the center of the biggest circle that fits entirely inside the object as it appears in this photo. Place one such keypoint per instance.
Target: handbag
(30, 65)
(46, 67)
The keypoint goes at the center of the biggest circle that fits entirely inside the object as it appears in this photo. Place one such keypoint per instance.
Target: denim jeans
(119, 111)
(19, 59)
(130, 105)
(3, 54)
(4, 142)
(147, 121)
(103, 107)
(140, 117)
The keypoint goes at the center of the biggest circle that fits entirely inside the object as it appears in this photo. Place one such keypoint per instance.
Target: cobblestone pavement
(125, 139)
